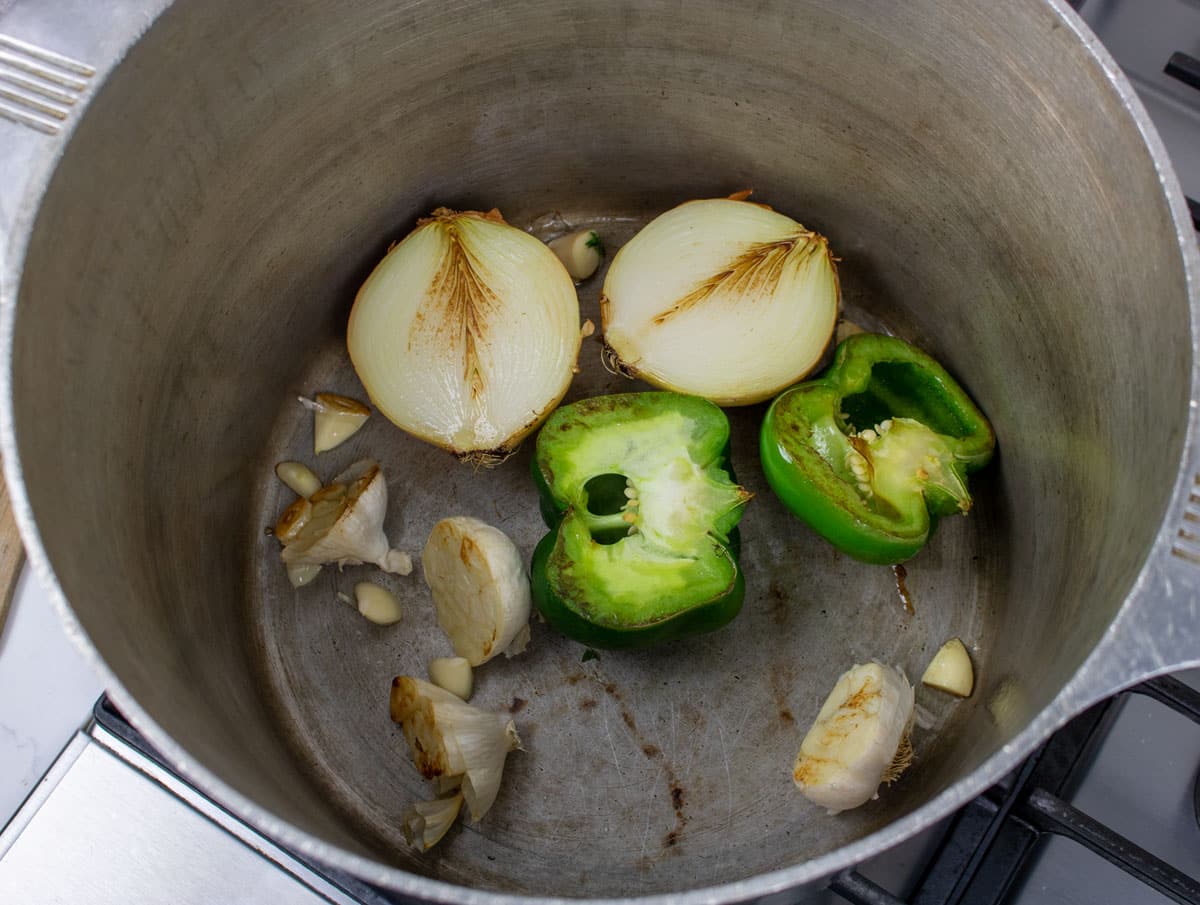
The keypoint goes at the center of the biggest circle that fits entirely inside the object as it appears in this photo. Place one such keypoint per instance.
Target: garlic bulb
(335, 419)
(342, 523)
(477, 578)
(859, 739)
(720, 298)
(448, 737)
(426, 822)
(467, 333)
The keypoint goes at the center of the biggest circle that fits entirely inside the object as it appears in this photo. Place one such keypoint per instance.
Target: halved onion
(720, 298)
(467, 333)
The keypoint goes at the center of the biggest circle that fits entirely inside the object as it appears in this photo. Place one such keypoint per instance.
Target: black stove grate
(990, 840)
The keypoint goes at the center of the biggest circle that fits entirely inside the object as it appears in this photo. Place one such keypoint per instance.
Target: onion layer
(467, 333)
(720, 298)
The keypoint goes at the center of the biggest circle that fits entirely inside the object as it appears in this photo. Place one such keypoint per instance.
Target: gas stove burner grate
(988, 844)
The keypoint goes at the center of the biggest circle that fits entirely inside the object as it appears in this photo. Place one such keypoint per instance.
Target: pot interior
(193, 266)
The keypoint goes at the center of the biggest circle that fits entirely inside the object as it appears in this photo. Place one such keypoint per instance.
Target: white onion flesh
(467, 333)
(721, 298)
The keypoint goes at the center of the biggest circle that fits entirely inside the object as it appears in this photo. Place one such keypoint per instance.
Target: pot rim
(1078, 693)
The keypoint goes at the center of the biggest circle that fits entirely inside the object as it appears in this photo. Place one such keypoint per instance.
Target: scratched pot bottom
(642, 772)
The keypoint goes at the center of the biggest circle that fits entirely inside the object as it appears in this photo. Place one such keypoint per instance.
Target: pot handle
(53, 57)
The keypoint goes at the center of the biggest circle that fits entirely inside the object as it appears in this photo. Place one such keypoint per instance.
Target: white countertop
(47, 691)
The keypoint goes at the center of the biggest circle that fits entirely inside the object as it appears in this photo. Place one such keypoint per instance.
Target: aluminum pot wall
(995, 192)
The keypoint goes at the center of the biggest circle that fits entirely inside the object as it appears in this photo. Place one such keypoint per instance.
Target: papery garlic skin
(342, 523)
(448, 737)
(720, 298)
(466, 335)
(477, 577)
(859, 739)
(426, 822)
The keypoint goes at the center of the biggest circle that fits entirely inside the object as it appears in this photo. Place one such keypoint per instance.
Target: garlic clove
(449, 737)
(343, 523)
(426, 822)
(335, 419)
(950, 670)
(298, 477)
(859, 738)
(300, 574)
(580, 252)
(377, 604)
(453, 674)
(477, 577)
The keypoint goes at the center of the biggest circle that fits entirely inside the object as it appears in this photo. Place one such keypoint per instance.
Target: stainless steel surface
(105, 806)
(997, 196)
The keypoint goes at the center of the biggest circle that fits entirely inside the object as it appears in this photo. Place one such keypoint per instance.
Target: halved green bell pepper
(642, 509)
(874, 450)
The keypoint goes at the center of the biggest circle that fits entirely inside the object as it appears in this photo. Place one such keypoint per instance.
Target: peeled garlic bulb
(720, 298)
(859, 739)
(477, 578)
(378, 605)
(950, 670)
(342, 523)
(453, 674)
(298, 477)
(467, 333)
(426, 822)
(335, 419)
(580, 252)
(448, 737)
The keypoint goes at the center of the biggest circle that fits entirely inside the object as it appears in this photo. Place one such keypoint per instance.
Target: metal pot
(179, 263)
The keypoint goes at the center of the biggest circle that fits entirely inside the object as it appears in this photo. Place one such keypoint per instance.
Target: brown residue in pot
(653, 752)
(902, 588)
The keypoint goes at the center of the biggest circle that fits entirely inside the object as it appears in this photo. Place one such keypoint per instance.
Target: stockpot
(188, 213)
